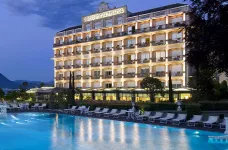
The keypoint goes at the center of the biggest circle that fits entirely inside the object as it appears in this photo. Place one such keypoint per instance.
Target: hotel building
(114, 49)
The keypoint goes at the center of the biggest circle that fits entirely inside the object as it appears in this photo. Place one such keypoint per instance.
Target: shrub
(192, 109)
(213, 106)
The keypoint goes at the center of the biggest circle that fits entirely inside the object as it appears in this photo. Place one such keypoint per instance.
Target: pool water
(46, 131)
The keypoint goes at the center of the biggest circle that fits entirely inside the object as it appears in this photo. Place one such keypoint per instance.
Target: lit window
(87, 27)
(97, 25)
(108, 22)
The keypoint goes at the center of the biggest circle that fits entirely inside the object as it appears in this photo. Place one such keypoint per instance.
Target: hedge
(213, 106)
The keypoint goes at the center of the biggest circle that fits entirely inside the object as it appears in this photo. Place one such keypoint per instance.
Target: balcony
(161, 59)
(126, 62)
(124, 33)
(106, 63)
(95, 51)
(117, 48)
(95, 64)
(76, 66)
(68, 54)
(85, 52)
(129, 75)
(175, 58)
(107, 36)
(171, 41)
(67, 66)
(143, 61)
(177, 74)
(118, 75)
(58, 67)
(85, 65)
(159, 74)
(59, 78)
(143, 75)
(86, 77)
(117, 63)
(107, 77)
(58, 55)
(108, 49)
(77, 53)
(140, 45)
(77, 77)
(158, 43)
(131, 46)
(67, 78)
(96, 77)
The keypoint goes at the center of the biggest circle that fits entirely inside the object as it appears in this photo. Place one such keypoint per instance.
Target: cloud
(55, 14)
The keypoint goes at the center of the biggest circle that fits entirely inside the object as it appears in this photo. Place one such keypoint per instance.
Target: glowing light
(197, 132)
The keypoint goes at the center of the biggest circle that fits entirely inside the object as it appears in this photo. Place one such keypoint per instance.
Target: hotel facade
(114, 49)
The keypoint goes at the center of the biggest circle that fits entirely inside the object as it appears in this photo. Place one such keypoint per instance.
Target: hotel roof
(137, 13)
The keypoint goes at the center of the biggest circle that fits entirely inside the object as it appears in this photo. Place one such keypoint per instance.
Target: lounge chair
(86, 110)
(168, 117)
(35, 106)
(195, 119)
(80, 109)
(42, 106)
(68, 110)
(211, 120)
(146, 114)
(180, 118)
(157, 115)
(121, 113)
(97, 109)
(105, 110)
(113, 111)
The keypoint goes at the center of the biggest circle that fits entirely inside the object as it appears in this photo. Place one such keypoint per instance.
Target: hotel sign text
(109, 13)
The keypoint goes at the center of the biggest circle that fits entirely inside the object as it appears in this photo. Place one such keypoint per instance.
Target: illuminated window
(88, 27)
(108, 22)
(97, 25)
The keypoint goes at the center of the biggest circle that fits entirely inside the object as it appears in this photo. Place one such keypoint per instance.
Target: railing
(179, 73)
(108, 49)
(117, 63)
(118, 76)
(106, 63)
(95, 77)
(59, 78)
(95, 64)
(86, 77)
(160, 13)
(124, 33)
(85, 65)
(77, 53)
(175, 58)
(142, 75)
(159, 74)
(58, 55)
(58, 67)
(171, 41)
(141, 61)
(161, 59)
(131, 46)
(95, 51)
(129, 61)
(67, 67)
(157, 43)
(85, 52)
(78, 77)
(129, 75)
(76, 66)
(106, 76)
(143, 45)
(117, 48)
(144, 16)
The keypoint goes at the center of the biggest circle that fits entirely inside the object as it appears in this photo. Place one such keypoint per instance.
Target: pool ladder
(218, 139)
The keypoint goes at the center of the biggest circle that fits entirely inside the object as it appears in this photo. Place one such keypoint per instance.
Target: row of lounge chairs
(24, 106)
(158, 116)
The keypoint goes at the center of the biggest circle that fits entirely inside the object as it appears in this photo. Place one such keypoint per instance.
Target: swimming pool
(46, 131)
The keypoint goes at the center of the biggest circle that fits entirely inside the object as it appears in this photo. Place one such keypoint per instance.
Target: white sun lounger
(113, 111)
(121, 113)
(97, 109)
(195, 119)
(80, 109)
(35, 106)
(157, 115)
(86, 110)
(146, 114)
(168, 117)
(42, 106)
(180, 118)
(222, 125)
(211, 120)
(68, 110)
(105, 110)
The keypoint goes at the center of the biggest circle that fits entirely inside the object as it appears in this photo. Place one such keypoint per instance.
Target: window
(108, 22)
(145, 25)
(70, 39)
(131, 42)
(160, 54)
(78, 38)
(97, 60)
(160, 68)
(61, 41)
(108, 45)
(175, 20)
(87, 27)
(96, 73)
(175, 53)
(119, 20)
(69, 50)
(176, 68)
(176, 84)
(87, 48)
(145, 56)
(160, 37)
(145, 70)
(96, 85)
(176, 36)
(118, 84)
(108, 73)
(108, 85)
(118, 30)
(97, 25)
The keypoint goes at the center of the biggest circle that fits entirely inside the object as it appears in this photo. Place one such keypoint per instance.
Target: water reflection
(135, 135)
(122, 132)
(90, 130)
(81, 132)
(100, 130)
(112, 131)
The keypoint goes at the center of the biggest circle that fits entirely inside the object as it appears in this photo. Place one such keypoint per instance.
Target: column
(166, 19)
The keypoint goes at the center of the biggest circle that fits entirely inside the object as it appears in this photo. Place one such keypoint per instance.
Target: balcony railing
(85, 65)
(86, 52)
(95, 64)
(142, 75)
(118, 75)
(96, 50)
(129, 75)
(76, 66)
(159, 74)
(68, 54)
(141, 61)
(143, 45)
(106, 76)
(77, 53)
(171, 41)
(124, 33)
(175, 58)
(107, 36)
(117, 63)
(129, 61)
(86, 77)
(157, 43)
(117, 48)
(77, 77)
(176, 74)
(58, 55)
(95, 77)
(59, 78)
(58, 67)
(161, 59)
(106, 63)
(131, 46)
(67, 66)
(108, 49)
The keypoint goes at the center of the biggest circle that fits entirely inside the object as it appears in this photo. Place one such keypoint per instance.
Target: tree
(152, 86)
(71, 94)
(170, 88)
(2, 94)
(42, 84)
(25, 84)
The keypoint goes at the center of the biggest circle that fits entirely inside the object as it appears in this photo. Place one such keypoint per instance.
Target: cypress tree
(170, 88)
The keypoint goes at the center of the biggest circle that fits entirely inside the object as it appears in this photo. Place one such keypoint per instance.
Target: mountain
(6, 83)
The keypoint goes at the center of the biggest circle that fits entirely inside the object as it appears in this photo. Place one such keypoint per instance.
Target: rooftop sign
(105, 14)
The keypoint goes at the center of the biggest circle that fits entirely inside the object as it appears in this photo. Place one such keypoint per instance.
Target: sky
(27, 29)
